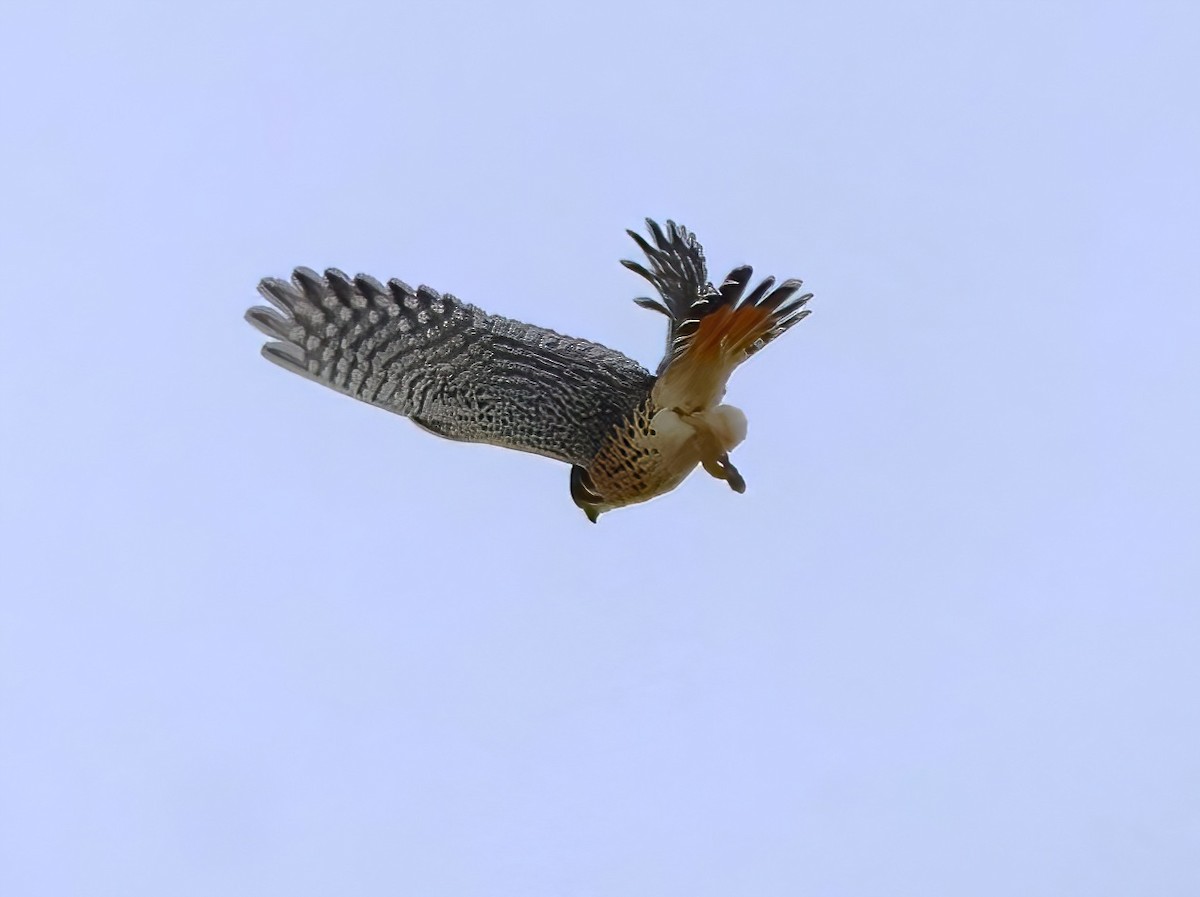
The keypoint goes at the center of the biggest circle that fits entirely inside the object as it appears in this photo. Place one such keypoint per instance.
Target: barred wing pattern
(679, 273)
(447, 365)
(711, 330)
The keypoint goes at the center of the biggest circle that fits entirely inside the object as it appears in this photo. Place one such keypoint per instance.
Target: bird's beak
(584, 494)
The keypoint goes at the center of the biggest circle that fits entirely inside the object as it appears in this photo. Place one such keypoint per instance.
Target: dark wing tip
(675, 265)
(759, 292)
(288, 356)
(280, 293)
(735, 284)
(269, 322)
(311, 286)
(652, 304)
(781, 297)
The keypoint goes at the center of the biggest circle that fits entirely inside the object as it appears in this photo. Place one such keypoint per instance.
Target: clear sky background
(259, 639)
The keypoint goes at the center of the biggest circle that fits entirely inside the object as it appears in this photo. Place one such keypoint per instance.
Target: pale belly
(659, 449)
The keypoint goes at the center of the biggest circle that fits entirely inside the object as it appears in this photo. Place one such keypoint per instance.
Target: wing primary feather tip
(657, 232)
(269, 322)
(280, 294)
(284, 354)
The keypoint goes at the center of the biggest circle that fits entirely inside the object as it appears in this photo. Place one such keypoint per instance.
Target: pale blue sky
(259, 639)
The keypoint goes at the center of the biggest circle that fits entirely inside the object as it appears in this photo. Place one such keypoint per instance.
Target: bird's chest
(652, 453)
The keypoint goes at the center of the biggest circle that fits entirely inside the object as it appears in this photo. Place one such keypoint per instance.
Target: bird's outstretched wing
(712, 330)
(679, 273)
(447, 365)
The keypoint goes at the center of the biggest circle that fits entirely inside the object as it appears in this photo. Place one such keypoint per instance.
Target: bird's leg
(722, 468)
(717, 432)
(736, 483)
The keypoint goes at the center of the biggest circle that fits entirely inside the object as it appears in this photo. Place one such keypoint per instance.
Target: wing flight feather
(449, 366)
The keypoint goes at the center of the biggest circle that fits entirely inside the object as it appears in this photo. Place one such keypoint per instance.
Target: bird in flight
(461, 373)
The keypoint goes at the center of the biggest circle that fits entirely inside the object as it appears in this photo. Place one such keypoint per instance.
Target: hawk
(461, 373)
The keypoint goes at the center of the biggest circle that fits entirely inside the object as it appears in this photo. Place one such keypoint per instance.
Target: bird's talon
(735, 480)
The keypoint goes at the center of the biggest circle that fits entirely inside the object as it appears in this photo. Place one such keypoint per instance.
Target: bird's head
(584, 494)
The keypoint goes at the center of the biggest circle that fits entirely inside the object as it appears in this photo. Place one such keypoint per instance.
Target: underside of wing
(712, 330)
(447, 365)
